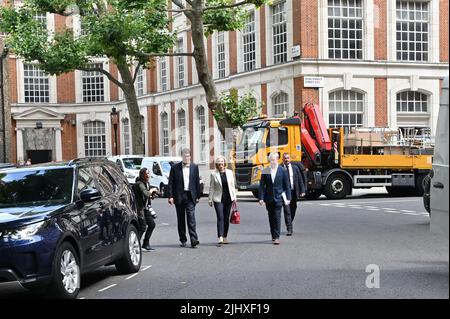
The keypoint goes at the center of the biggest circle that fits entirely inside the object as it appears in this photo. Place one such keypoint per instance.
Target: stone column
(58, 143)
(20, 155)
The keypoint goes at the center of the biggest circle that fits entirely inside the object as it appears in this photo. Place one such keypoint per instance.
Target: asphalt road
(333, 244)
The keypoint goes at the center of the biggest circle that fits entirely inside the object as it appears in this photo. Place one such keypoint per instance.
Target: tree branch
(108, 75)
(179, 4)
(227, 6)
(136, 70)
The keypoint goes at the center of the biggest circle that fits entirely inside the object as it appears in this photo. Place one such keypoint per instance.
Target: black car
(58, 221)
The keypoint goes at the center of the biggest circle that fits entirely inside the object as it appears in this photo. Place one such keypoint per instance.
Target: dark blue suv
(60, 220)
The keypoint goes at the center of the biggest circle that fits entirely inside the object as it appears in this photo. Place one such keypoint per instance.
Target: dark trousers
(289, 211)
(274, 212)
(186, 210)
(146, 224)
(223, 218)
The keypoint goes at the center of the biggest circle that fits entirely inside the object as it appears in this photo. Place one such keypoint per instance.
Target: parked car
(60, 220)
(129, 165)
(159, 167)
(6, 165)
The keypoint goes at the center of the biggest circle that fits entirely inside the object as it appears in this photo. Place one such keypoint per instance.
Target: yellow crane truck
(334, 161)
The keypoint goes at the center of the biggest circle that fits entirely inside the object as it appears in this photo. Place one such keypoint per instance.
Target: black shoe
(147, 247)
(194, 243)
(183, 244)
(289, 233)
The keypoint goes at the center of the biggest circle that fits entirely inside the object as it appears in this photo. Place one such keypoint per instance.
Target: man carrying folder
(274, 191)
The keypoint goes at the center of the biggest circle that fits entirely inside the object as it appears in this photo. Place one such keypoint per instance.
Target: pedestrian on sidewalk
(297, 187)
(184, 192)
(146, 215)
(275, 192)
(222, 193)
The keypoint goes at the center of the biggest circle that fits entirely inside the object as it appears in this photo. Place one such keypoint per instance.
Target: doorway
(39, 156)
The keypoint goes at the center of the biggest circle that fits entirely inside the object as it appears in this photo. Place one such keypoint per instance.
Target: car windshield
(132, 163)
(40, 187)
(166, 166)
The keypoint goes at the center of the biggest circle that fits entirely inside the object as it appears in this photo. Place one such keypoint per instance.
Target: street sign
(313, 81)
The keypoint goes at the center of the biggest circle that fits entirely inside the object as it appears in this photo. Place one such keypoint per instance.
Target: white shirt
(291, 175)
(186, 169)
(273, 173)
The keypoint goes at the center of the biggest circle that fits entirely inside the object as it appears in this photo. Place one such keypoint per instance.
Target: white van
(129, 165)
(159, 167)
(439, 174)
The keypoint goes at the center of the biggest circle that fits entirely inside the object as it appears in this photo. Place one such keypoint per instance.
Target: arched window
(126, 136)
(201, 118)
(280, 104)
(165, 133)
(94, 138)
(413, 117)
(409, 101)
(346, 109)
(182, 131)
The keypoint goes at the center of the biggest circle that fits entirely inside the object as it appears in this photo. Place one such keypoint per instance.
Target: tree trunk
(5, 111)
(201, 62)
(133, 109)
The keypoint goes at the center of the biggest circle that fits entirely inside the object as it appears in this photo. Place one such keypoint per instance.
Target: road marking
(370, 207)
(110, 286)
(146, 267)
(82, 298)
(407, 211)
(129, 277)
(391, 201)
(164, 224)
(373, 209)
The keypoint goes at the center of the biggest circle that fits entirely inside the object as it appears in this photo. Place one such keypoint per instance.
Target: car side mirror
(89, 195)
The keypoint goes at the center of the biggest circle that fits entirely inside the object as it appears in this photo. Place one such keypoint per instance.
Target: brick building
(366, 62)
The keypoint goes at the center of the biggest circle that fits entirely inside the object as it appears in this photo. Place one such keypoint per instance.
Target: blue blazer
(176, 182)
(271, 192)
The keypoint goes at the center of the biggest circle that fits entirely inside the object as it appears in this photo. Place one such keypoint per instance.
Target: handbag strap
(234, 206)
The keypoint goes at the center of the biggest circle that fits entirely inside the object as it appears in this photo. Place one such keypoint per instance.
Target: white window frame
(249, 31)
(349, 111)
(181, 64)
(275, 56)
(141, 82)
(96, 78)
(274, 100)
(126, 136)
(163, 74)
(182, 131)
(202, 151)
(38, 78)
(165, 133)
(406, 102)
(52, 84)
(98, 151)
(240, 43)
(221, 56)
(433, 31)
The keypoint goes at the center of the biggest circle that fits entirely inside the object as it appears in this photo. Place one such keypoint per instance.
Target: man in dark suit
(298, 189)
(184, 191)
(274, 190)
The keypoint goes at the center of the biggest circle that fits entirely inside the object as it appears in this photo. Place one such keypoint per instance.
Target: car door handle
(438, 185)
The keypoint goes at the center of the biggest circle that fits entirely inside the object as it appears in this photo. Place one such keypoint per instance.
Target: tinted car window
(36, 187)
(132, 163)
(156, 169)
(107, 184)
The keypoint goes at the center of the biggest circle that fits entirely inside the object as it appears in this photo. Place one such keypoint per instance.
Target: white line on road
(146, 267)
(82, 298)
(407, 211)
(129, 277)
(110, 286)
(390, 201)
(373, 209)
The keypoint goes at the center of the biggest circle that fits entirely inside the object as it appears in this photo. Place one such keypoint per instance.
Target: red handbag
(235, 217)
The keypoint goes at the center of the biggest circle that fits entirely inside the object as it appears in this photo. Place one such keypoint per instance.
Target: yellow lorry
(335, 161)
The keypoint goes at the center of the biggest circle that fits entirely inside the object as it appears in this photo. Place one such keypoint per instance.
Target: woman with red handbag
(222, 194)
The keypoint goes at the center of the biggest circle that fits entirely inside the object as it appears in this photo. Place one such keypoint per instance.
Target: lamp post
(115, 122)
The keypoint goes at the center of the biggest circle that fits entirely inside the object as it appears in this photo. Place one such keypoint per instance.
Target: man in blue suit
(274, 191)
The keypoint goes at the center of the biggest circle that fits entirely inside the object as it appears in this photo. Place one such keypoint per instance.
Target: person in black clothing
(184, 192)
(222, 193)
(144, 194)
(297, 185)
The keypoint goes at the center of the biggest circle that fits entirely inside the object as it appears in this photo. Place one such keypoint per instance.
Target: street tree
(110, 30)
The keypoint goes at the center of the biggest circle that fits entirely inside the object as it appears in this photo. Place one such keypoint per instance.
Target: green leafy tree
(110, 30)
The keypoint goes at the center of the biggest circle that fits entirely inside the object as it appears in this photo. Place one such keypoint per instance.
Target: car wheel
(66, 272)
(132, 256)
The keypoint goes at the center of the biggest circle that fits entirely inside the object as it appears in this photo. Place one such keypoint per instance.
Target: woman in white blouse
(222, 193)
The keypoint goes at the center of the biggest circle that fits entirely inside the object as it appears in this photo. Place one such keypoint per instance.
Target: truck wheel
(337, 186)
(420, 187)
(313, 194)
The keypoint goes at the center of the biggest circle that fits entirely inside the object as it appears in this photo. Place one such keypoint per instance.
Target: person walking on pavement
(297, 189)
(222, 193)
(275, 192)
(184, 192)
(144, 194)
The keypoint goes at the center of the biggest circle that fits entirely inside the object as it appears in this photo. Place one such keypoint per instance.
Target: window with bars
(126, 136)
(346, 109)
(279, 33)
(412, 27)
(36, 84)
(143, 130)
(94, 139)
(412, 102)
(201, 118)
(163, 73)
(221, 54)
(139, 85)
(93, 84)
(165, 133)
(249, 43)
(345, 29)
(182, 130)
(280, 104)
(180, 63)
